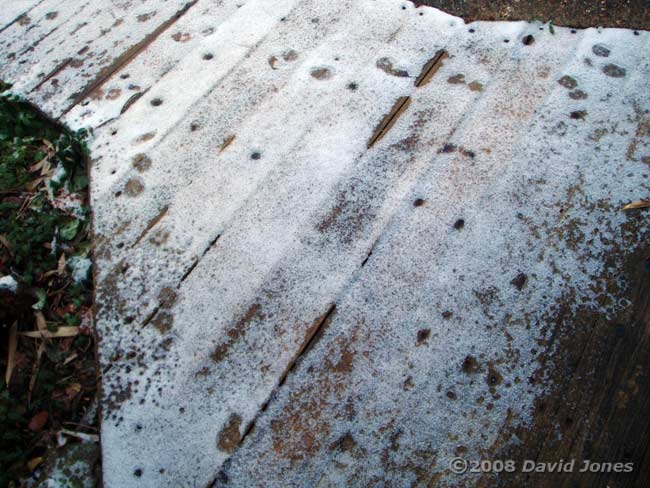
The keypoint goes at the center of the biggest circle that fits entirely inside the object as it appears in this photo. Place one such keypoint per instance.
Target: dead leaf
(49, 145)
(80, 435)
(37, 166)
(70, 358)
(5, 242)
(226, 142)
(72, 390)
(65, 331)
(32, 185)
(41, 325)
(61, 265)
(38, 421)
(11, 356)
(32, 464)
(635, 205)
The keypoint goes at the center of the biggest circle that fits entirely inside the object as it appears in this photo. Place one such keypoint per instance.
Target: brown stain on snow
(230, 435)
(237, 332)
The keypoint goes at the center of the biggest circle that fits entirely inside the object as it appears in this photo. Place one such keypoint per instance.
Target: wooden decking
(345, 243)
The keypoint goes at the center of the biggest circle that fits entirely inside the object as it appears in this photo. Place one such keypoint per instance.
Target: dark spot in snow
(614, 71)
(344, 443)
(182, 36)
(528, 40)
(459, 224)
(113, 94)
(167, 297)
(600, 50)
(451, 395)
(290, 55)
(256, 155)
(137, 472)
(447, 148)
(447, 314)
(133, 187)
(156, 102)
(470, 365)
(418, 202)
(493, 378)
(387, 65)
(423, 336)
(568, 82)
(467, 153)
(51, 15)
(456, 79)
(352, 86)
(141, 162)
(163, 321)
(577, 95)
(208, 56)
(579, 114)
(520, 281)
(230, 436)
(321, 73)
(145, 17)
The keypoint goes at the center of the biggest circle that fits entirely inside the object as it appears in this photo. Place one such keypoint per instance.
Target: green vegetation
(46, 349)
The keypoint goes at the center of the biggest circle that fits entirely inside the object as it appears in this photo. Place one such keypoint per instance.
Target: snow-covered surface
(80, 267)
(8, 283)
(237, 206)
(13, 9)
